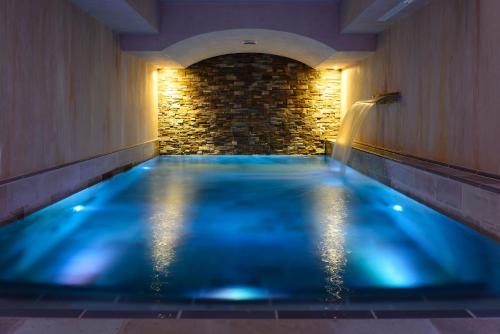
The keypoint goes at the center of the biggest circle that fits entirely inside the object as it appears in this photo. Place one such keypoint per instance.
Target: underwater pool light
(146, 168)
(236, 293)
(78, 208)
(397, 208)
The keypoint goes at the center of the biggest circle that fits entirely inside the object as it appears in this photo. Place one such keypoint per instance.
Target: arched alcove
(293, 46)
(204, 46)
(247, 103)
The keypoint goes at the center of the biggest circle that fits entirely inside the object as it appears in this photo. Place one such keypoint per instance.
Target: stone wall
(247, 104)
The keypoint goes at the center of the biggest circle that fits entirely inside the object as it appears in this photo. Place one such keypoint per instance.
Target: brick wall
(247, 104)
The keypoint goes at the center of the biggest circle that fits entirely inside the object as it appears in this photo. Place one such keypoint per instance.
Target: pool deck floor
(222, 326)
(67, 315)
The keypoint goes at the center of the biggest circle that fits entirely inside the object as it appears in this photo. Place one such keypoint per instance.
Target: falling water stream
(351, 123)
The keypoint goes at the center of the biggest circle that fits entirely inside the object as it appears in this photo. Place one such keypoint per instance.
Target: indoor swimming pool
(246, 228)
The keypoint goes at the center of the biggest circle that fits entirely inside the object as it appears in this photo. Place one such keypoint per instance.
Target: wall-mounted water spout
(386, 98)
(351, 123)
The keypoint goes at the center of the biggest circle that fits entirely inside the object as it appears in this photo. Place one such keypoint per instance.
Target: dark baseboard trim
(424, 163)
(470, 198)
(474, 178)
(45, 170)
(65, 180)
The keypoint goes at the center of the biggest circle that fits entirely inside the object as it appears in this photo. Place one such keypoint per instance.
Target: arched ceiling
(307, 31)
(319, 33)
(194, 49)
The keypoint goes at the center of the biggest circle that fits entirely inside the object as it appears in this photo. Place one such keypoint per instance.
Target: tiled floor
(34, 314)
(222, 326)
(41, 307)
(20, 317)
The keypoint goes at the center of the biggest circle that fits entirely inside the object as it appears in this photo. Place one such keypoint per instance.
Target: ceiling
(320, 33)
(250, 1)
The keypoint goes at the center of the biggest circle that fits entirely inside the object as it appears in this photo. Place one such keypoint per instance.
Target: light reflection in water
(60, 233)
(330, 214)
(166, 225)
(85, 267)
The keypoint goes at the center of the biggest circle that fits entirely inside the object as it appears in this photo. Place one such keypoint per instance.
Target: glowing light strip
(395, 10)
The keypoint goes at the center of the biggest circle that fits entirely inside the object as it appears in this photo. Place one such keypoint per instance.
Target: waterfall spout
(386, 98)
(351, 123)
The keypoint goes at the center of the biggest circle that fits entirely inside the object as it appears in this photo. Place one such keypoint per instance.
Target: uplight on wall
(155, 90)
(328, 75)
(348, 90)
(170, 85)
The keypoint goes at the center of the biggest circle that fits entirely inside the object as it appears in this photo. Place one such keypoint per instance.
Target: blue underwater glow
(246, 228)
(235, 293)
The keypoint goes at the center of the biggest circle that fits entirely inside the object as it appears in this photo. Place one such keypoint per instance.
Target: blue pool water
(246, 228)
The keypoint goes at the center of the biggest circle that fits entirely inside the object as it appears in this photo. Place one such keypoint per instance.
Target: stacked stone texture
(247, 104)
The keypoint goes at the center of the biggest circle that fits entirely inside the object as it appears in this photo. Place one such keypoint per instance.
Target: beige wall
(445, 59)
(67, 92)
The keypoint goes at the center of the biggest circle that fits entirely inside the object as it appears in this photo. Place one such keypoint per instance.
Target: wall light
(155, 91)
(170, 84)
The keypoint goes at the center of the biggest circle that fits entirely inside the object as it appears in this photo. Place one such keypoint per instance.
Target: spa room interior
(249, 166)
